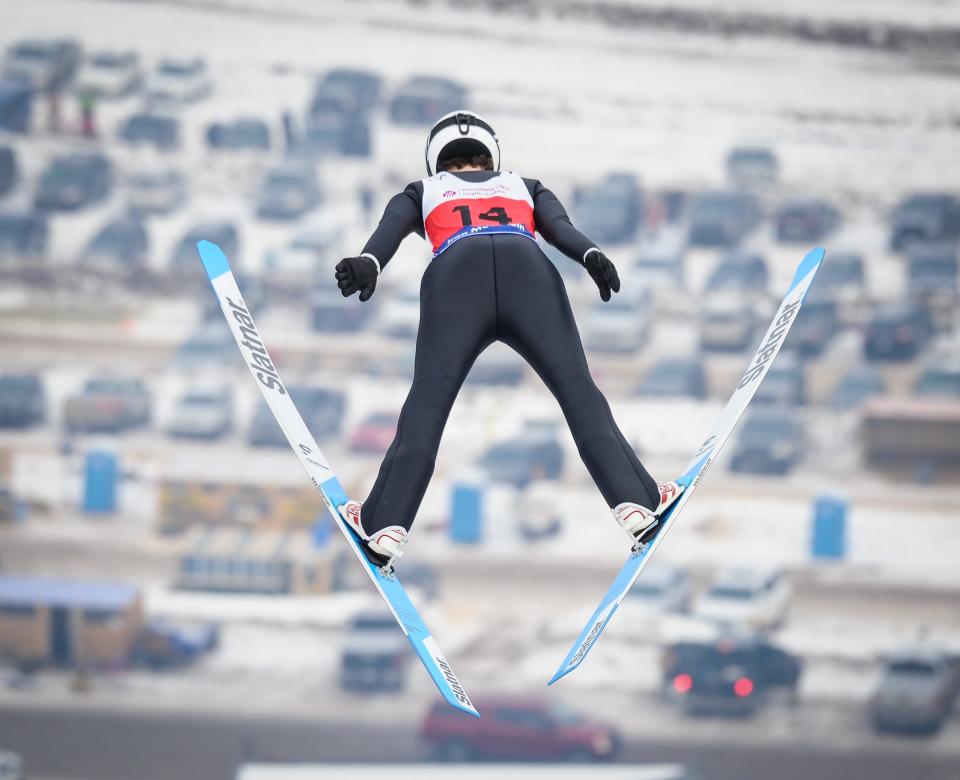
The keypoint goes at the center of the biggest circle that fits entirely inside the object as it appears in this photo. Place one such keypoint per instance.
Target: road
(80, 745)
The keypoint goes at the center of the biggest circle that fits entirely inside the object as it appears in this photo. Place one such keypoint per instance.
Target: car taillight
(743, 687)
(682, 683)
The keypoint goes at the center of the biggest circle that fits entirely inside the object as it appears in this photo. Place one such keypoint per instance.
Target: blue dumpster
(101, 477)
(829, 538)
(466, 515)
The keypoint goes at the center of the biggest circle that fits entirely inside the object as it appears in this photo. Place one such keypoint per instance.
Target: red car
(515, 727)
(375, 433)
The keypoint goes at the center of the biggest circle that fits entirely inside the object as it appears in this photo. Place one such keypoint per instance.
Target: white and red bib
(454, 208)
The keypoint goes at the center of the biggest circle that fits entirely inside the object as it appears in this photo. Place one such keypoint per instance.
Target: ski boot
(381, 547)
(640, 522)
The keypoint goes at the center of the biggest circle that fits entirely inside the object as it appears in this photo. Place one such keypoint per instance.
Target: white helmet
(461, 132)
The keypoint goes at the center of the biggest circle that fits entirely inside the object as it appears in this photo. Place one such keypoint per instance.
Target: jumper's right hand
(603, 272)
(357, 273)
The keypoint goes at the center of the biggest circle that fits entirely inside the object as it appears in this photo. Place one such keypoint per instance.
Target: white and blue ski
(315, 464)
(700, 462)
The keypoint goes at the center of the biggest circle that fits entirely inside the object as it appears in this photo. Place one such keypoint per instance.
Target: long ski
(264, 371)
(701, 461)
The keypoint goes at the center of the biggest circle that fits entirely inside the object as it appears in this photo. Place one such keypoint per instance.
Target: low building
(68, 623)
(234, 560)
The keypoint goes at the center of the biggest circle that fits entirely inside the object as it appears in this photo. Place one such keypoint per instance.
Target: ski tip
(214, 261)
(811, 260)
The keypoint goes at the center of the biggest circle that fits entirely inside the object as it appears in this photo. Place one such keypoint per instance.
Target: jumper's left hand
(603, 272)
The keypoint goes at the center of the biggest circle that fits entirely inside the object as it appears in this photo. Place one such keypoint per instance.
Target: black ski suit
(482, 289)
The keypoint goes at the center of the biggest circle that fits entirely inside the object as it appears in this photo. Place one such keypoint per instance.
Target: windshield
(731, 592)
(934, 266)
(17, 384)
(926, 203)
(14, 228)
(109, 61)
(286, 180)
(107, 387)
(561, 714)
(939, 383)
(65, 170)
(118, 235)
(33, 51)
(147, 127)
(382, 419)
(767, 430)
(913, 669)
(178, 68)
(203, 399)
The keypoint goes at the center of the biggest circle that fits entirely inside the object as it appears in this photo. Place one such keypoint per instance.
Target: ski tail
(702, 460)
(301, 441)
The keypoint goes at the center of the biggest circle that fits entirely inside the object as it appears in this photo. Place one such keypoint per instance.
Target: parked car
(422, 100)
(622, 324)
(332, 132)
(742, 597)
(288, 192)
(22, 400)
(785, 383)
(841, 280)
(45, 65)
(770, 442)
(729, 675)
(208, 346)
(121, 243)
(322, 409)
(897, 332)
(806, 220)
(518, 727)
(925, 216)
(164, 644)
(932, 271)
(223, 234)
(156, 191)
(661, 588)
(22, 234)
(157, 130)
(520, 461)
(8, 170)
(751, 167)
(741, 272)
(400, 313)
(498, 367)
(659, 268)
(74, 181)
(309, 256)
(108, 404)
(816, 324)
(722, 218)
(240, 134)
(375, 433)
(941, 377)
(330, 312)
(110, 74)
(374, 654)
(726, 323)
(918, 691)
(856, 386)
(348, 89)
(179, 81)
(204, 411)
(610, 211)
(675, 377)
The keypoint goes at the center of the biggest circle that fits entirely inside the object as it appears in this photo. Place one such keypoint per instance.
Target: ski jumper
(489, 281)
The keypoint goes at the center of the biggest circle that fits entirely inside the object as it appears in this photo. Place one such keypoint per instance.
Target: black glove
(357, 273)
(603, 272)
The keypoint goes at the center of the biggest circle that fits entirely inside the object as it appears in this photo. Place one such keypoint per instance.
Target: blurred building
(68, 623)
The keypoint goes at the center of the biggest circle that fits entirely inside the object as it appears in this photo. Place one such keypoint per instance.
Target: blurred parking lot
(160, 551)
